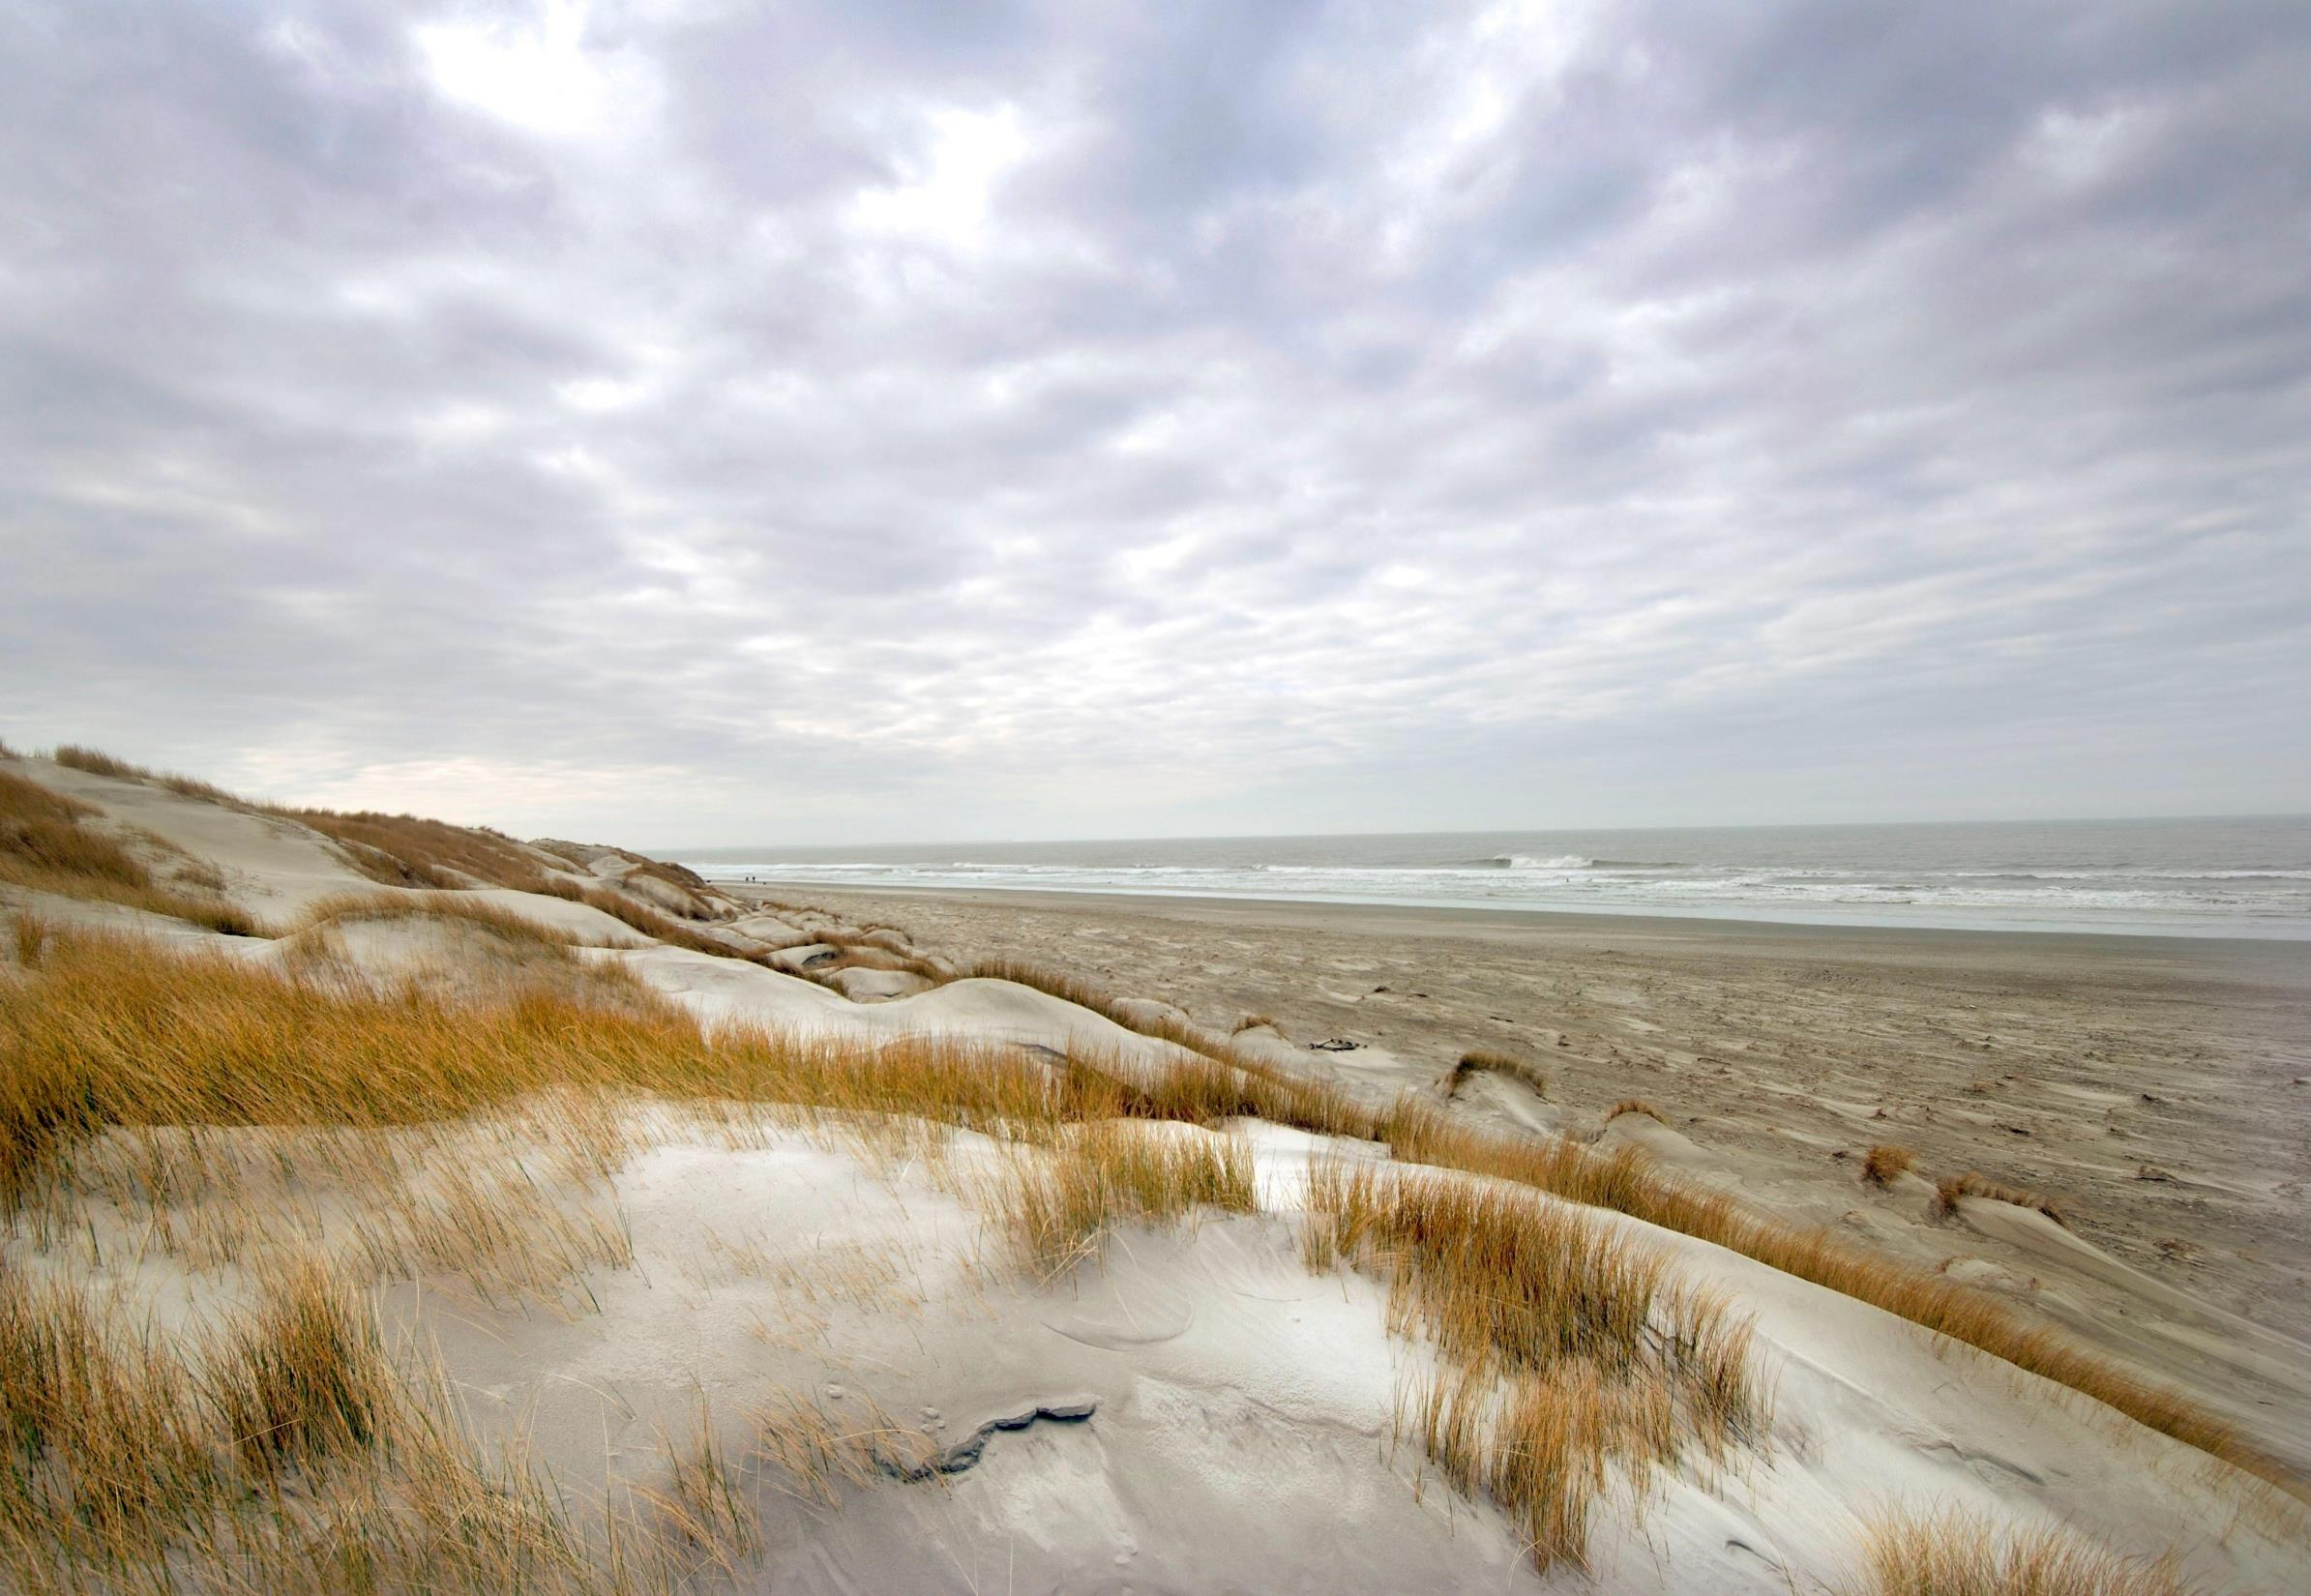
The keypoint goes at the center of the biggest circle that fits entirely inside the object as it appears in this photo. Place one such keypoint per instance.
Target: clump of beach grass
(1566, 1349)
(1949, 1194)
(1884, 1163)
(506, 924)
(1483, 1061)
(1635, 1105)
(304, 1375)
(1953, 1552)
(289, 1456)
(1056, 1204)
(105, 1454)
(639, 916)
(407, 850)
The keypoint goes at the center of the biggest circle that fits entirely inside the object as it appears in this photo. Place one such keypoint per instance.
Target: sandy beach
(2154, 1088)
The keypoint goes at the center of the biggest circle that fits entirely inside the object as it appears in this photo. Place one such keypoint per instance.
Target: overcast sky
(691, 422)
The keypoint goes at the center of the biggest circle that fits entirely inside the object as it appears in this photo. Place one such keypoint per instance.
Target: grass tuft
(1566, 1349)
(304, 1377)
(1884, 1163)
(1478, 1061)
(103, 1452)
(96, 763)
(1634, 1105)
(639, 916)
(1957, 1554)
(1949, 1192)
(1057, 1205)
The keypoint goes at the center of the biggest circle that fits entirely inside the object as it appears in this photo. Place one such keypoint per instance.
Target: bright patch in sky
(538, 76)
(946, 192)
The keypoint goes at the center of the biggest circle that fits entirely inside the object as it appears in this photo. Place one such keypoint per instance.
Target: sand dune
(765, 1340)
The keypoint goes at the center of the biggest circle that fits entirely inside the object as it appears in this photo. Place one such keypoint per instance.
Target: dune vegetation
(1481, 1061)
(48, 843)
(1949, 1192)
(1565, 1349)
(1954, 1553)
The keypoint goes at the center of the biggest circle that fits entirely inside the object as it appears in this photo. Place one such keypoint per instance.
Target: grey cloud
(1312, 415)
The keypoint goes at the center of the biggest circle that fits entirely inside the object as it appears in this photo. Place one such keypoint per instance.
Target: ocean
(2246, 877)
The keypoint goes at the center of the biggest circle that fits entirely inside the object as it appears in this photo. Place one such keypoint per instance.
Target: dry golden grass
(498, 920)
(1884, 1161)
(1229, 1081)
(1058, 1204)
(1478, 1061)
(291, 1457)
(1566, 1348)
(45, 846)
(1955, 1554)
(105, 1451)
(405, 850)
(1950, 1191)
(304, 1377)
(98, 763)
(640, 917)
(106, 1032)
(512, 1235)
(704, 1513)
(1624, 1180)
(1634, 1105)
(812, 1453)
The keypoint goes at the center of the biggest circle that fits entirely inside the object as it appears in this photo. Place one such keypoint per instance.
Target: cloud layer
(703, 421)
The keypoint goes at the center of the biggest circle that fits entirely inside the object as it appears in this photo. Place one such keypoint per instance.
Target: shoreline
(1489, 923)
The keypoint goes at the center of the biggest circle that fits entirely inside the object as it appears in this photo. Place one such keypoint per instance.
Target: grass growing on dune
(1624, 1180)
(1955, 1554)
(302, 1377)
(502, 922)
(1480, 1061)
(639, 916)
(96, 762)
(289, 1453)
(398, 850)
(1236, 1075)
(405, 850)
(1056, 1204)
(102, 1032)
(1949, 1194)
(105, 1451)
(1566, 1350)
(47, 845)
